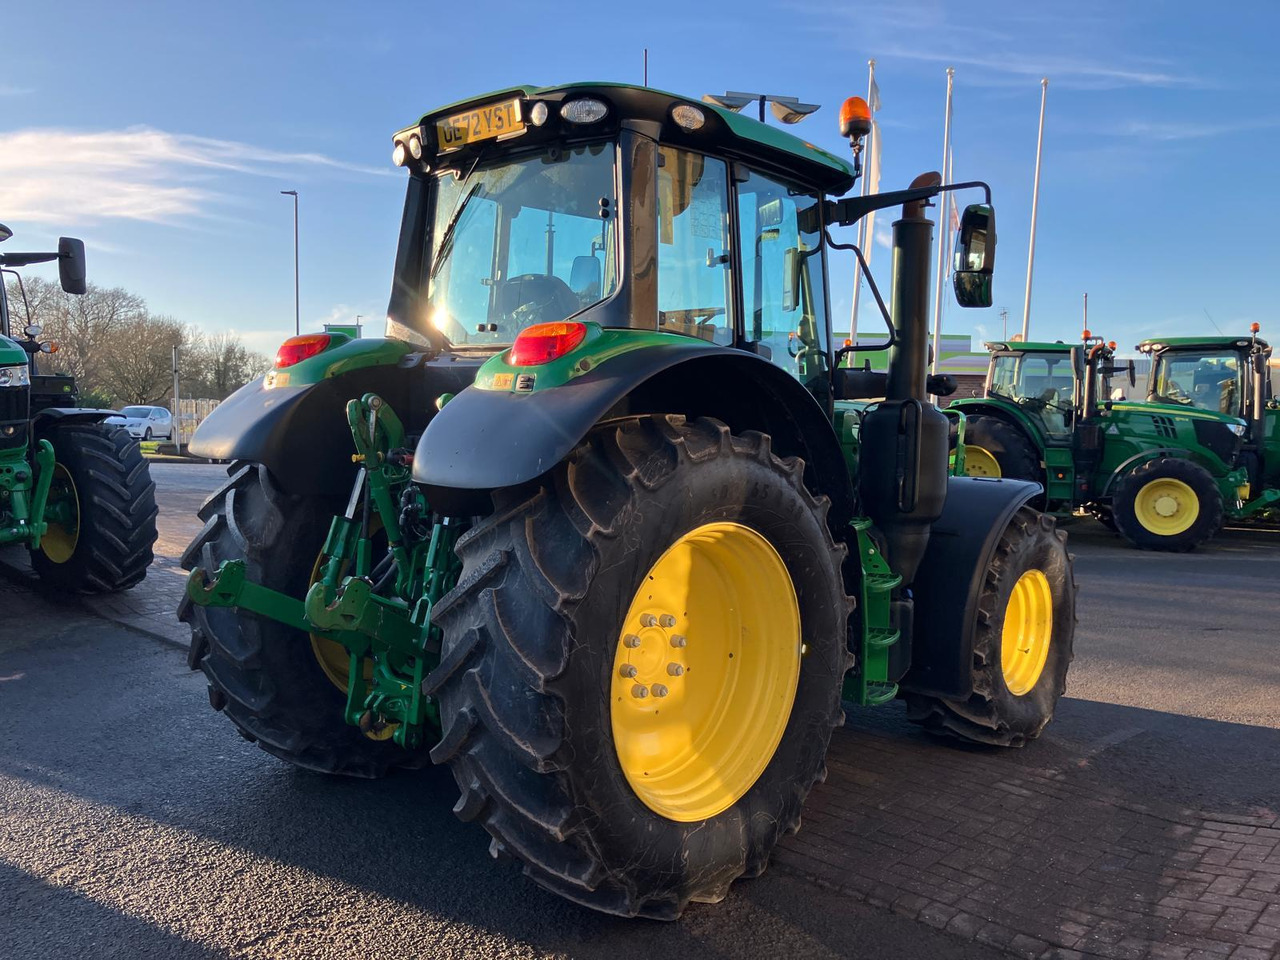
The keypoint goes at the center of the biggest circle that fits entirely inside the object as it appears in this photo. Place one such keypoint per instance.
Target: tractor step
(869, 684)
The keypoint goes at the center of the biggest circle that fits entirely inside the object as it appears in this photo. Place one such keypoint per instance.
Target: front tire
(1001, 450)
(1167, 504)
(101, 511)
(147, 435)
(1023, 641)
(535, 725)
(264, 676)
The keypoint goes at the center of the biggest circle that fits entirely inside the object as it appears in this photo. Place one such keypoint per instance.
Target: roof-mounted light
(855, 118)
(538, 114)
(1255, 327)
(415, 146)
(688, 116)
(400, 155)
(1111, 344)
(584, 110)
(1086, 335)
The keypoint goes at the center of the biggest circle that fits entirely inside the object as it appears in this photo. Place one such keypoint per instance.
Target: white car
(145, 423)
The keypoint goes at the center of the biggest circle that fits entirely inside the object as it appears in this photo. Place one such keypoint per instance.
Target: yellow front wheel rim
(1027, 632)
(1167, 507)
(58, 543)
(979, 462)
(705, 671)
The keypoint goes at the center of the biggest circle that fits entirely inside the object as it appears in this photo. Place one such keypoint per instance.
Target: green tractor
(74, 490)
(1230, 376)
(1162, 475)
(613, 536)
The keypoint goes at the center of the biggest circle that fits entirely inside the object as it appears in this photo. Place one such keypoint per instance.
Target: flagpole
(1035, 204)
(937, 299)
(862, 224)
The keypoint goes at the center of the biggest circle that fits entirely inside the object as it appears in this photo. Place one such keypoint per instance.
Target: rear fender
(299, 432)
(488, 439)
(950, 579)
(43, 419)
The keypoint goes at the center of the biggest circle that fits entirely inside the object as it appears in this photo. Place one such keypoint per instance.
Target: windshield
(521, 242)
(1036, 377)
(136, 412)
(1204, 379)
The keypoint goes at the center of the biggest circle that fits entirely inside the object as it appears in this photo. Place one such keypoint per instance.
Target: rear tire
(264, 675)
(530, 635)
(106, 543)
(1016, 456)
(1194, 505)
(1011, 704)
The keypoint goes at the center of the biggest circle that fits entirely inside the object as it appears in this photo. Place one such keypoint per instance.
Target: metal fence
(188, 415)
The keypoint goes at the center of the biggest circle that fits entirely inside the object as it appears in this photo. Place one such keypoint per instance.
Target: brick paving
(1040, 863)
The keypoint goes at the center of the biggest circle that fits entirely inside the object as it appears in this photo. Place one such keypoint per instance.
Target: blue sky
(161, 133)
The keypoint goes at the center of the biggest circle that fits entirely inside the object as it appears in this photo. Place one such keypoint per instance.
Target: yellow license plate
(482, 123)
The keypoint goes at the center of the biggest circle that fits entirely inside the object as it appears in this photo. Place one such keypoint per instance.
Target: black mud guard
(48, 416)
(485, 440)
(947, 586)
(300, 433)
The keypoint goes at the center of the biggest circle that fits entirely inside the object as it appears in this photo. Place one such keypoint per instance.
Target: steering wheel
(538, 298)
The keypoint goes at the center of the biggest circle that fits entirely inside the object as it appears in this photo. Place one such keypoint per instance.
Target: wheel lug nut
(659, 690)
(678, 641)
(675, 669)
(639, 691)
(631, 640)
(666, 620)
(627, 670)
(648, 620)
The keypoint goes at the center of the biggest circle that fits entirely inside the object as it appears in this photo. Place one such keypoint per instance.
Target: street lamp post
(297, 316)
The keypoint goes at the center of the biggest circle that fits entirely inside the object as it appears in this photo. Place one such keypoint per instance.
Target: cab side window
(694, 281)
(783, 280)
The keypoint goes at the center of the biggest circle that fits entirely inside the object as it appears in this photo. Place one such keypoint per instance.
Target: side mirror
(975, 256)
(71, 264)
(1133, 374)
(5, 233)
(32, 330)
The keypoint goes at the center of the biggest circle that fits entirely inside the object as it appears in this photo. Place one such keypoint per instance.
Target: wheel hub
(705, 671)
(1027, 632)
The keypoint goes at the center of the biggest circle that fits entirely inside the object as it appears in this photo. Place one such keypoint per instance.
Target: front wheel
(993, 448)
(1023, 641)
(641, 664)
(101, 511)
(1167, 504)
(147, 435)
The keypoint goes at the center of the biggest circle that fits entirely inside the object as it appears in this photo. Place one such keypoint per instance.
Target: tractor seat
(545, 299)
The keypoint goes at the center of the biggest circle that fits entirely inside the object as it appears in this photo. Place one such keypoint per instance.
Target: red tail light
(296, 349)
(544, 342)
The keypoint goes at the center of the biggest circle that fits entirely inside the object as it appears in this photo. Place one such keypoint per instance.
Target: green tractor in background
(74, 490)
(1162, 475)
(613, 535)
(1230, 376)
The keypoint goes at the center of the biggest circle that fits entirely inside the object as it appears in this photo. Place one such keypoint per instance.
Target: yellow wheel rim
(978, 462)
(1027, 632)
(59, 541)
(705, 673)
(335, 660)
(1167, 507)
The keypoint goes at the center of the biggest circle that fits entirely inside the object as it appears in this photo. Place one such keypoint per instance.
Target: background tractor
(74, 490)
(614, 535)
(1163, 475)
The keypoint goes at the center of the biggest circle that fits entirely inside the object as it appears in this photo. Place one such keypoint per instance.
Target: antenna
(1004, 324)
(646, 66)
(1211, 320)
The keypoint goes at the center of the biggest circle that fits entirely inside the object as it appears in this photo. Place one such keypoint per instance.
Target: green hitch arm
(355, 609)
(228, 587)
(44, 479)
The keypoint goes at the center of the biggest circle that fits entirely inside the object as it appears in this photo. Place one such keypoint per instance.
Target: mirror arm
(26, 259)
(852, 209)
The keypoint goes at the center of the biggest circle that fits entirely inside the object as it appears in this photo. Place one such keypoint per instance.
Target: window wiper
(446, 238)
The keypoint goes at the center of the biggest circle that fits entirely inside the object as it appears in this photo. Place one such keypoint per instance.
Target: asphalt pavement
(134, 822)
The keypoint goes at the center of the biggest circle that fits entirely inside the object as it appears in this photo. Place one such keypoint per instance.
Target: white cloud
(56, 176)
(883, 236)
(8, 90)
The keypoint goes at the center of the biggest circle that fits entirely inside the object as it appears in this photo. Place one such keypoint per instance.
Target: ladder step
(878, 693)
(881, 637)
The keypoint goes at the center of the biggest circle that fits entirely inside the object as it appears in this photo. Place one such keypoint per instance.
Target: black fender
(485, 440)
(48, 416)
(949, 581)
(1140, 458)
(300, 433)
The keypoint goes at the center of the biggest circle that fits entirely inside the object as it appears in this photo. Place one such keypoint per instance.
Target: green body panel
(1031, 346)
(10, 352)
(600, 345)
(1055, 450)
(342, 356)
(746, 127)
(1202, 343)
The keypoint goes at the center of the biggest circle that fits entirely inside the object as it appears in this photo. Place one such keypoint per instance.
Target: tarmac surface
(134, 822)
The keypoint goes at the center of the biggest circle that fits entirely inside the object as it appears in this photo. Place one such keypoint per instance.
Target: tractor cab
(1041, 378)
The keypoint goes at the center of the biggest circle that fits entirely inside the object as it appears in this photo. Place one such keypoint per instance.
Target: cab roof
(1199, 343)
(1030, 346)
(725, 132)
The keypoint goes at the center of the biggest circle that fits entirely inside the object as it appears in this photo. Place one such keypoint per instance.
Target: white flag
(873, 95)
(872, 186)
